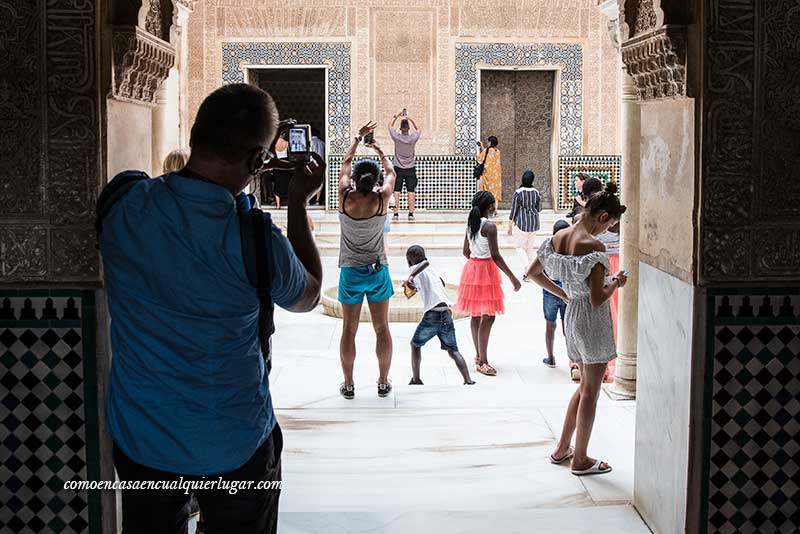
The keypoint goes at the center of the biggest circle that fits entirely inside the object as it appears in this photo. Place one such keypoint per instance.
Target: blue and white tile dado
(237, 56)
(566, 57)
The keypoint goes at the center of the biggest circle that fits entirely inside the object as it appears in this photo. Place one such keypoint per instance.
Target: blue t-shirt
(188, 391)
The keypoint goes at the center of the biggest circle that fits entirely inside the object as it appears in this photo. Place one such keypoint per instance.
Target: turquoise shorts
(355, 282)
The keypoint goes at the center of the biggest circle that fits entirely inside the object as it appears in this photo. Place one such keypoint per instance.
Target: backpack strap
(117, 188)
(256, 232)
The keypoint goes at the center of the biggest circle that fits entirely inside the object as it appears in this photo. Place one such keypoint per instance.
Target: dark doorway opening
(299, 94)
(517, 108)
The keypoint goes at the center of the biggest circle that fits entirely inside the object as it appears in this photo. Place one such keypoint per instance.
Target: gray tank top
(361, 240)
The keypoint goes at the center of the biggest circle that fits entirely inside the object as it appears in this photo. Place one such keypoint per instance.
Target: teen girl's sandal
(486, 369)
(575, 374)
(559, 461)
(594, 470)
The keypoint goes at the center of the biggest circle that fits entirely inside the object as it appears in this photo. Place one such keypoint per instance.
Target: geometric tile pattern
(754, 432)
(604, 168)
(444, 182)
(236, 57)
(43, 412)
(566, 58)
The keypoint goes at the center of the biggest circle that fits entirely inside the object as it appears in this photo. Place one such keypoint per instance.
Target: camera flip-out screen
(299, 142)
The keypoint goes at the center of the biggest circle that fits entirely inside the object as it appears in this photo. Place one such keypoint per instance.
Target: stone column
(624, 386)
(162, 140)
(169, 130)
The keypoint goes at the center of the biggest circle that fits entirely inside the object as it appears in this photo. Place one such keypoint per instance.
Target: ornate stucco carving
(751, 144)
(646, 19)
(141, 64)
(159, 18)
(657, 63)
(50, 142)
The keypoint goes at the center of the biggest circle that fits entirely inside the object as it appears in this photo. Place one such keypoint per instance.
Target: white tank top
(479, 246)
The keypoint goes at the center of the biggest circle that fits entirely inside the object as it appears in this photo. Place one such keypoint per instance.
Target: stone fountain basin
(401, 309)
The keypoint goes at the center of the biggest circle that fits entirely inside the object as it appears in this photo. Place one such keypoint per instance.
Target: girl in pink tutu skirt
(480, 294)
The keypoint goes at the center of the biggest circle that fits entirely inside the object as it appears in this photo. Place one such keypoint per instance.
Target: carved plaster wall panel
(562, 19)
(445, 24)
(21, 114)
(23, 251)
(49, 141)
(751, 143)
(402, 70)
(284, 21)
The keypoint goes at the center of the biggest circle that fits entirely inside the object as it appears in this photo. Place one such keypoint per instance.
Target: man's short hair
(233, 120)
(404, 124)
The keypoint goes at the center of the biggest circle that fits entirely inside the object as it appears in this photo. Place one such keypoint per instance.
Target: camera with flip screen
(299, 139)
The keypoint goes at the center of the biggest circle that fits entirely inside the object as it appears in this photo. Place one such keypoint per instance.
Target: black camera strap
(262, 239)
(114, 190)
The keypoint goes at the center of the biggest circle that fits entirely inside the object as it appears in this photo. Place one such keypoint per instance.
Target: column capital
(657, 62)
(141, 62)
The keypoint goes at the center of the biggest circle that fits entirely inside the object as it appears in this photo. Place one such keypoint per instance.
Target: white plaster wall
(667, 177)
(130, 144)
(662, 403)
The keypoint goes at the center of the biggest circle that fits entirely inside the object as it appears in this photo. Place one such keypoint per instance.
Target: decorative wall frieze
(141, 64)
(657, 63)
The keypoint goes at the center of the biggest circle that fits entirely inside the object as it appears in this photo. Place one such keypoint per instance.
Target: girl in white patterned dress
(579, 260)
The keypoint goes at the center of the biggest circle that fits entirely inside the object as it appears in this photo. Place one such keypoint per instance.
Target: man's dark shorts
(552, 306)
(407, 176)
(166, 511)
(436, 323)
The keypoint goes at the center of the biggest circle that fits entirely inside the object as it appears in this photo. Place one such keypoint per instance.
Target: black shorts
(281, 183)
(166, 510)
(406, 176)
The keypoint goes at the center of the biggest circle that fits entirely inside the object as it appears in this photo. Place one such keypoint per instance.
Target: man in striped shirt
(524, 216)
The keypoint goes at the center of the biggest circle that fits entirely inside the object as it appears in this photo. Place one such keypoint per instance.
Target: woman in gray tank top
(364, 270)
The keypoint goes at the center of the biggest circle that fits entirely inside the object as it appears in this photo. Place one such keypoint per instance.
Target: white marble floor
(442, 457)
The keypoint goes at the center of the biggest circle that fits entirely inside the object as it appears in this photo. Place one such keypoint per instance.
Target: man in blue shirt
(188, 396)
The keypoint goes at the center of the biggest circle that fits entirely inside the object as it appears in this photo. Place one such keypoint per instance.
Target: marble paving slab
(442, 457)
(607, 520)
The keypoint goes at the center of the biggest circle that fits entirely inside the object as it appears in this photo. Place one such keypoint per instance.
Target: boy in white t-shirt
(438, 318)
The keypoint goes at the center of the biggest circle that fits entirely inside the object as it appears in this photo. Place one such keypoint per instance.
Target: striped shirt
(525, 207)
